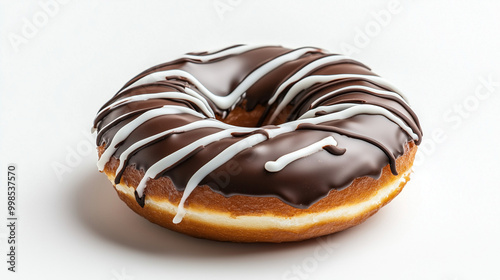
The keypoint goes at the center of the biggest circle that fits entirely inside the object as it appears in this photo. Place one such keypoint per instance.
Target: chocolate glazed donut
(257, 143)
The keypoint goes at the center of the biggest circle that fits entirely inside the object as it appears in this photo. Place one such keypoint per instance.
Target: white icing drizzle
(197, 99)
(281, 162)
(171, 159)
(313, 65)
(311, 80)
(125, 131)
(204, 123)
(218, 54)
(328, 109)
(197, 95)
(162, 95)
(358, 109)
(217, 161)
(357, 88)
(224, 102)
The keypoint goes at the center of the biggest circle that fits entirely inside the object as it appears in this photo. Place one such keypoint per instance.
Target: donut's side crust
(241, 218)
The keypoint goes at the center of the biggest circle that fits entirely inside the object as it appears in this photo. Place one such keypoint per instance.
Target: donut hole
(241, 117)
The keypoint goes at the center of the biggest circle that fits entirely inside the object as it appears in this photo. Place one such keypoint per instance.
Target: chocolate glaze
(366, 142)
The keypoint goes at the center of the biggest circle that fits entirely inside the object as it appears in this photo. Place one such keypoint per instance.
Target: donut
(257, 143)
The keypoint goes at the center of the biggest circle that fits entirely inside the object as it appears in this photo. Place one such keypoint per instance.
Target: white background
(56, 74)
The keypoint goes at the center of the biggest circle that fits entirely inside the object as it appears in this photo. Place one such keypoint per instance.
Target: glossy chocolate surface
(366, 142)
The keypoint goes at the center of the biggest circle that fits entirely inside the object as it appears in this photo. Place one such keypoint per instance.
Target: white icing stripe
(217, 161)
(281, 162)
(358, 110)
(303, 71)
(200, 97)
(357, 88)
(311, 80)
(205, 123)
(115, 121)
(328, 109)
(171, 159)
(127, 129)
(162, 95)
(218, 54)
(224, 102)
